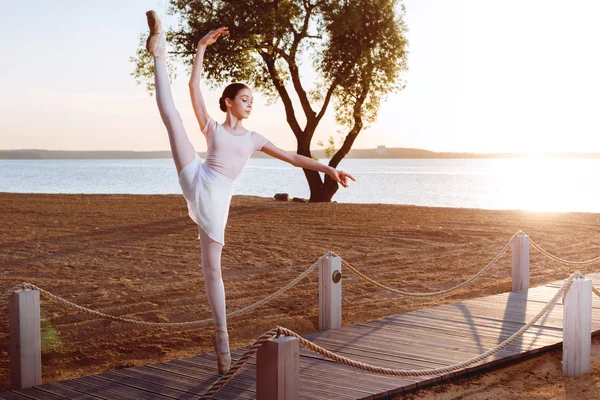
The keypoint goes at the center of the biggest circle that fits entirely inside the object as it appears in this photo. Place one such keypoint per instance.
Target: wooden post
(330, 293)
(577, 328)
(277, 370)
(520, 263)
(25, 339)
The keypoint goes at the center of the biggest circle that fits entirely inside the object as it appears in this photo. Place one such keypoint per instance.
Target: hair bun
(229, 93)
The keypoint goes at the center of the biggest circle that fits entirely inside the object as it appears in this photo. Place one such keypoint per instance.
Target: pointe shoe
(223, 359)
(155, 31)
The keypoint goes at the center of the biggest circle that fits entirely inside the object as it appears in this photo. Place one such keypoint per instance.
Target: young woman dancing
(207, 185)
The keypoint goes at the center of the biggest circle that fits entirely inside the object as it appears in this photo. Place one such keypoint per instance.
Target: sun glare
(543, 183)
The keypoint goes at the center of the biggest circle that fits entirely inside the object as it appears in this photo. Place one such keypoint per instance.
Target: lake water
(539, 184)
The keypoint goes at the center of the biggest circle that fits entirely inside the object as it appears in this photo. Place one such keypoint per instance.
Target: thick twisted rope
(413, 294)
(381, 370)
(10, 291)
(222, 381)
(163, 324)
(442, 370)
(561, 260)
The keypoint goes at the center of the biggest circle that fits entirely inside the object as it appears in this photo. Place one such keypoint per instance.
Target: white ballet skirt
(208, 196)
(207, 184)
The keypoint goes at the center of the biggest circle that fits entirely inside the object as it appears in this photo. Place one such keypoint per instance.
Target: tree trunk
(313, 178)
(329, 188)
(316, 187)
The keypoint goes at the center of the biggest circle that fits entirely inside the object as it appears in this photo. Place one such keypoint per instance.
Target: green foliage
(357, 44)
(330, 148)
(357, 47)
(366, 52)
(50, 338)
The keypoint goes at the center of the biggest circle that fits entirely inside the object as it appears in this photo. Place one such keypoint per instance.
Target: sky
(484, 76)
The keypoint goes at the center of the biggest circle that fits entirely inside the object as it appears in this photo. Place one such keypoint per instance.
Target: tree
(358, 48)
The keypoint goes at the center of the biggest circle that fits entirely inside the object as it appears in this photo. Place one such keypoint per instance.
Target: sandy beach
(139, 257)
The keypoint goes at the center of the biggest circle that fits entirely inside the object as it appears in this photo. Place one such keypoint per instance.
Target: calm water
(529, 184)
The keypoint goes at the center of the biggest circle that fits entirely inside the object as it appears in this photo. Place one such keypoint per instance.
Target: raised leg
(182, 149)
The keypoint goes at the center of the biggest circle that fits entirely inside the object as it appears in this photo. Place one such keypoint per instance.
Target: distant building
(381, 151)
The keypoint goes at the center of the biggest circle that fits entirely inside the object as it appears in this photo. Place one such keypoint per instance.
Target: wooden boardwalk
(426, 338)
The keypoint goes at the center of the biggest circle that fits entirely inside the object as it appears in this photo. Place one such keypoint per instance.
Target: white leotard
(207, 185)
(229, 153)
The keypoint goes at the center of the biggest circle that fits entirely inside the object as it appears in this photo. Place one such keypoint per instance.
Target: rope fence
(20, 286)
(413, 294)
(561, 260)
(272, 296)
(278, 331)
(86, 310)
(291, 284)
(281, 331)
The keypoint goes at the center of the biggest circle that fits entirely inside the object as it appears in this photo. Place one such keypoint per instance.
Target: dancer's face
(241, 106)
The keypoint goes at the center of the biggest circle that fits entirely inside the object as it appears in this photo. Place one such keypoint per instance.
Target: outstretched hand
(341, 177)
(212, 36)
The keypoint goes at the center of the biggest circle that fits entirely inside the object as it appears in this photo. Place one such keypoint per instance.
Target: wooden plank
(340, 374)
(553, 320)
(83, 388)
(456, 350)
(534, 304)
(319, 384)
(326, 388)
(476, 325)
(463, 357)
(10, 395)
(101, 390)
(189, 387)
(401, 356)
(236, 385)
(412, 381)
(467, 328)
(470, 343)
(123, 390)
(34, 393)
(155, 387)
(65, 392)
(248, 374)
(524, 310)
(448, 330)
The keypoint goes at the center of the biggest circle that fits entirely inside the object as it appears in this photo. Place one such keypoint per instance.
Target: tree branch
(295, 73)
(285, 97)
(358, 124)
(327, 99)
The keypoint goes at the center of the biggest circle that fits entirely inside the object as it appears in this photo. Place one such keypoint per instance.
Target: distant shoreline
(388, 153)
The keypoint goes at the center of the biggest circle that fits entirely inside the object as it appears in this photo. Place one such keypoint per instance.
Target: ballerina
(207, 185)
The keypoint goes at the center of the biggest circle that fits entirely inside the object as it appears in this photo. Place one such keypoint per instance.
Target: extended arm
(195, 92)
(300, 161)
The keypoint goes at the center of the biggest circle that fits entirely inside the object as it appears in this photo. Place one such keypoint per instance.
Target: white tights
(211, 269)
(184, 153)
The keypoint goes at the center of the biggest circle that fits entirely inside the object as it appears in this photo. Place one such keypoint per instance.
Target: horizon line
(317, 150)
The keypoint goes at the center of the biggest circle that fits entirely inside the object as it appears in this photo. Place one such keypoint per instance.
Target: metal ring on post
(336, 276)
